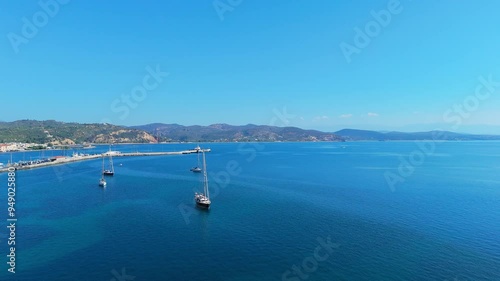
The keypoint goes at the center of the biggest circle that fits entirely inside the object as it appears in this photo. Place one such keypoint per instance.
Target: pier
(76, 158)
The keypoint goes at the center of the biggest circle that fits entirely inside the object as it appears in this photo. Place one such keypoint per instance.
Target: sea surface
(280, 211)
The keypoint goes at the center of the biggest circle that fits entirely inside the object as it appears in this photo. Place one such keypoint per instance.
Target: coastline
(72, 159)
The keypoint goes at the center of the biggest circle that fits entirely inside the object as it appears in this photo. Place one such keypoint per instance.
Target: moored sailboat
(102, 181)
(203, 199)
(196, 169)
(111, 170)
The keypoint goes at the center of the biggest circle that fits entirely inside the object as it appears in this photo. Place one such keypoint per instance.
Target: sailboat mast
(102, 172)
(205, 178)
(111, 163)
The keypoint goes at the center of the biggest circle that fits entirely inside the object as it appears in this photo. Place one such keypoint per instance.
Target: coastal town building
(8, 147)
(5, 147)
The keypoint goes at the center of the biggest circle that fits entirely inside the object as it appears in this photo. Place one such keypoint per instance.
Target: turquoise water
(272, 203)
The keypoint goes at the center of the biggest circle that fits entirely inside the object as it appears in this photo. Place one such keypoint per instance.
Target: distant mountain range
(229, 133)
(62, 133)
(358, 135)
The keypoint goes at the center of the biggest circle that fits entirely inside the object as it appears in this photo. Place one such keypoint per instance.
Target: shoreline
(72, 159)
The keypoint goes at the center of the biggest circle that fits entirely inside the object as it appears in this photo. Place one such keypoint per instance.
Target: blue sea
(280, 211)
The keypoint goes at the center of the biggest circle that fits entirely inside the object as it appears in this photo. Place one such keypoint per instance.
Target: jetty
(61, 160)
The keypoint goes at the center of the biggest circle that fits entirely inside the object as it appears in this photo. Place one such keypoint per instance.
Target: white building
(6, 147)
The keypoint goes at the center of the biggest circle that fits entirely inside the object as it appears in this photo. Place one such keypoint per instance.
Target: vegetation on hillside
(229, 133)
(54, 132)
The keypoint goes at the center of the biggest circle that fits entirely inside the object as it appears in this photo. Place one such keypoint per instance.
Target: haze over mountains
(359, 135)
(55, 132)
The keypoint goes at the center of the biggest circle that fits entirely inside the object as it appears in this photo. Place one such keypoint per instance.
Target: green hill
(230, 133)
(54, 132)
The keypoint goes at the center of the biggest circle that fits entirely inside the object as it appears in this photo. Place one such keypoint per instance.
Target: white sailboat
(102, 181)
(111, 170)
(203, 199)
(196, 169)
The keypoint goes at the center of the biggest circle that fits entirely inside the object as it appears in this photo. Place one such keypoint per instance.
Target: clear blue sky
(261, 57)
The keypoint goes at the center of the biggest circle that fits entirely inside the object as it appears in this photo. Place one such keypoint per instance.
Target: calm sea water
(272, 204)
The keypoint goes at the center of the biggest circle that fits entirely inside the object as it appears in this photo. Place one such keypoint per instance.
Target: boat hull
(202, 201)
(203, 205)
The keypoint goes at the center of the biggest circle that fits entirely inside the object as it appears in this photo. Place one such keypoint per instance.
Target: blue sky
(262, 62)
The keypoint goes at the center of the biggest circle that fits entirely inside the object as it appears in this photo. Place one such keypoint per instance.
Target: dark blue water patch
(32, 235)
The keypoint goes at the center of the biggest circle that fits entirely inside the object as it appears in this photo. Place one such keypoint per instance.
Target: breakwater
(79, 157)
